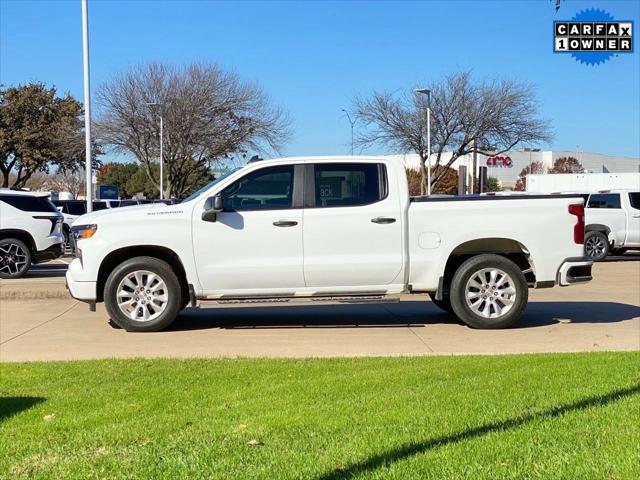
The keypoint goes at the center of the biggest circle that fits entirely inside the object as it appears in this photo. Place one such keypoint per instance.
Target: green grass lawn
(573, 416)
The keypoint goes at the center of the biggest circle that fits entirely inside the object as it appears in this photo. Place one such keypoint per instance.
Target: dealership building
(507, 166)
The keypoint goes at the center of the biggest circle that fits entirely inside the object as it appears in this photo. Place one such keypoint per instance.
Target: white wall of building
(582, 182)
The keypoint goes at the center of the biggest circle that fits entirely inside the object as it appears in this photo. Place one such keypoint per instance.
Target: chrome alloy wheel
(594, 246)
(490, 293)
(142, 295)
(12, 258)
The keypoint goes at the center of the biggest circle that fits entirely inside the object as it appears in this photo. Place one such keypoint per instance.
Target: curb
(33, 295)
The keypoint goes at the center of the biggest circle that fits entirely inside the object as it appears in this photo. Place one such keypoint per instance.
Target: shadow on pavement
(47, 270)
(412, 449)
(403, 314)
(10, 406)
(625, 257)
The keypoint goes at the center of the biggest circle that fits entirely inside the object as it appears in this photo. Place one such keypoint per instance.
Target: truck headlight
(80, 232)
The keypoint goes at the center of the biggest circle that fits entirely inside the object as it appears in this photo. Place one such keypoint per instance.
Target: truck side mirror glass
(212, 206)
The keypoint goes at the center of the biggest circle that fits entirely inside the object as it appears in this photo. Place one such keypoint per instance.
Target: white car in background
(30, 231)
(72, 209)
(612, 220)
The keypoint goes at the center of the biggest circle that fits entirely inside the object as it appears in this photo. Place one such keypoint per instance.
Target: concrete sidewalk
(603, 315)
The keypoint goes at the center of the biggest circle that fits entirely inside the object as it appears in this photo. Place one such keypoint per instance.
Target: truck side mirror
(212, 206)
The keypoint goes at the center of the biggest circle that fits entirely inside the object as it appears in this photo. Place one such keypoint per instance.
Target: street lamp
(352, 123)
(161, 162)
(427, 92)
(87, 105)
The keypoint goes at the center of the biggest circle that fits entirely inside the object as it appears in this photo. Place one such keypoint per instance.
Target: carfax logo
(593, 36)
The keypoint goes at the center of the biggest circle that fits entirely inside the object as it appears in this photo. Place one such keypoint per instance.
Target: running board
(348, 299)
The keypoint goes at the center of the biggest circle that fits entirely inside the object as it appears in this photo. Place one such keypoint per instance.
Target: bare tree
(491, 116)
(532, 168)
(72, 181)
(567, 165)
(208, 114)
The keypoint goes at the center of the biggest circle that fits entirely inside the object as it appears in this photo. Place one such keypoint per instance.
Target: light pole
(161, 162)
(427, 92)
(87, 105)
(352, 123)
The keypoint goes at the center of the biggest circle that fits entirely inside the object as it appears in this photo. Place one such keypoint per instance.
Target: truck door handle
(383, 220)
(285, 223)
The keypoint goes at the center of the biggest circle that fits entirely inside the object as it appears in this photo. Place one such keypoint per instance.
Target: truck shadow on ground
(47, 270)
(404, 314)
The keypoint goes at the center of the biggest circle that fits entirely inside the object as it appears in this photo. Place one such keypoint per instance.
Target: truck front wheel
(489, 291)
(143, 294)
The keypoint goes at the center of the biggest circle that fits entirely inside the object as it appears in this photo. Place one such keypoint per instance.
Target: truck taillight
(578, 228)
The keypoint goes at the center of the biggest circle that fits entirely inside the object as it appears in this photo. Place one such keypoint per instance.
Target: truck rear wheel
(489, 291)
(143, 294)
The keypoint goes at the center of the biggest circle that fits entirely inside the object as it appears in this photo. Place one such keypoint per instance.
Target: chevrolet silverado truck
(612, 220)
(326, 229)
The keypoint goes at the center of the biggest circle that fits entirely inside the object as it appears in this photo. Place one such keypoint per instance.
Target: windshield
(209, 185)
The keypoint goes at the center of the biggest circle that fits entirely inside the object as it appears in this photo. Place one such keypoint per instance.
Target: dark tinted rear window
(349, 184)
(75, 208)
(634, 199)
(604, 200)
(28, 203)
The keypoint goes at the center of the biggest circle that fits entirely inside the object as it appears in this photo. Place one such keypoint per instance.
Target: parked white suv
(30, 231)
(612, 219)
(327, 228)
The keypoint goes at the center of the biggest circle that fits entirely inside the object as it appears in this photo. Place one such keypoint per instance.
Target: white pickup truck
(612, 223)
(326, 228)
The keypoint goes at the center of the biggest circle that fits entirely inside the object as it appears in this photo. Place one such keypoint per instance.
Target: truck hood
(133, 213)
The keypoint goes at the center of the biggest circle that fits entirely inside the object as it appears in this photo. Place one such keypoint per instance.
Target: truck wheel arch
(115, 258)
(597, 227)
(507, 247)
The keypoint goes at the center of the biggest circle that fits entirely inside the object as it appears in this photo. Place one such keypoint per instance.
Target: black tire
(173, 293)
(66, 245)
(15, 258)
(444, 304)
(596, 245)
(473, 268)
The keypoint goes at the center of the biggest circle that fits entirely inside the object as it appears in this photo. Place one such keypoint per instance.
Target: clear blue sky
(313, 58)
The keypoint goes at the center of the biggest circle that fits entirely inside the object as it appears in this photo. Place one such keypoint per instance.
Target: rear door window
(349, 184)
(604, 200)
(634, 200)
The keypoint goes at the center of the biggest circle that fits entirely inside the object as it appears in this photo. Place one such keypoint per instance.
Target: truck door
(606, 209)
(633, 220)
(352, 226)
(256, 241)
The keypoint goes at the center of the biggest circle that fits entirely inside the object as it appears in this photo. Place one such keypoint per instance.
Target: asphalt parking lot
(39, 321)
